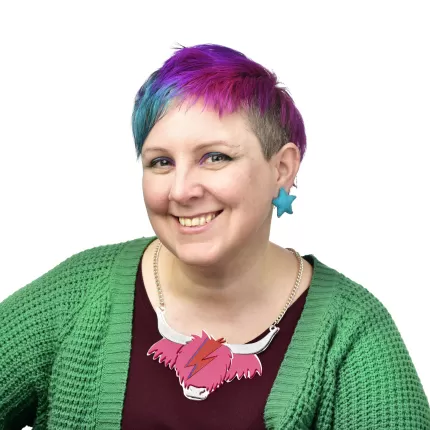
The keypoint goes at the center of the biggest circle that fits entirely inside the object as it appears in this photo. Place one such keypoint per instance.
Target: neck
(234, 281)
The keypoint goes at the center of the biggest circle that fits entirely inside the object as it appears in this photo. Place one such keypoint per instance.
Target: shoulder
(74, 281)
(350, 306)
(95, 262)
(74, 272)
(94, 265)
(347, 295)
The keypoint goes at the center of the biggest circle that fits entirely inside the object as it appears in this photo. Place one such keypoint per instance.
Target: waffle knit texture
(65, 342)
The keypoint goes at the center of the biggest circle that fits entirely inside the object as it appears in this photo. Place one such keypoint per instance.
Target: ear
(286, 164)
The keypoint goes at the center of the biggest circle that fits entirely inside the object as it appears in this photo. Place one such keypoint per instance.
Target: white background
(358, 72)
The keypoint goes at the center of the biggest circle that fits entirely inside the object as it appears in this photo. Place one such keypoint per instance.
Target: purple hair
(227, 81)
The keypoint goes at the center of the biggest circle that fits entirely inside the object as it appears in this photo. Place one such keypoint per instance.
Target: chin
(197, 253)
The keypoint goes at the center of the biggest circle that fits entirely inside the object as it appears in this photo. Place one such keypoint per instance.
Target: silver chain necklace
(190, 356)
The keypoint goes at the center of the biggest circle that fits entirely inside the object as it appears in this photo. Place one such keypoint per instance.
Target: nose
(185, 186)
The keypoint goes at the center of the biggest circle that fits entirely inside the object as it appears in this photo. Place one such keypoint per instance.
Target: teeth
(192, 222)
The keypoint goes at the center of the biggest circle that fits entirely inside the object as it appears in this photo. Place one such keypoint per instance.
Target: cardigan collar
(292, 374)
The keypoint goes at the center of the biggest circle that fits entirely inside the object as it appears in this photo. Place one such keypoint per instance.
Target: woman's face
(197, 165)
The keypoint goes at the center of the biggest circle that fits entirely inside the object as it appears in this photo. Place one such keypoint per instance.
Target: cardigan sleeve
(378, 386)
(27, 339)
(33, 320)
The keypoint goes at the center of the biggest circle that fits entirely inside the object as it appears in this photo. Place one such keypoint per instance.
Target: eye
(216, 157)
(159, 162)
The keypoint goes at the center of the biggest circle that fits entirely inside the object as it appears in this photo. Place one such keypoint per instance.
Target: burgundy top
(154, 398)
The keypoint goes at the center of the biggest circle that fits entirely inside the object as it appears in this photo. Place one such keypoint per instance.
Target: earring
(283, 202)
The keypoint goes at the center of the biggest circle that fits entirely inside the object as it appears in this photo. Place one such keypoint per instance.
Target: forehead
(194, 124)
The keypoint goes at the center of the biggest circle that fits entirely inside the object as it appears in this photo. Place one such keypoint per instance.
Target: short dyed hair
(228, 82)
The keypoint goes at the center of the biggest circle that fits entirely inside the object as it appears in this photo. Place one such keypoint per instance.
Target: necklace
(203, 363)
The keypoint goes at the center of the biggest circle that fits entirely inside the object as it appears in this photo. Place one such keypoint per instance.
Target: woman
(207, 325)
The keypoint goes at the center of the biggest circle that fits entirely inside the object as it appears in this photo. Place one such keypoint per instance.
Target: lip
(196, 229)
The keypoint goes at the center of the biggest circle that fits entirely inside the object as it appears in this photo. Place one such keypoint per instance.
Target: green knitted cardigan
(65, 343)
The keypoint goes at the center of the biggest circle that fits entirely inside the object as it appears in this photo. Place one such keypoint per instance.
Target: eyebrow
(198, 147)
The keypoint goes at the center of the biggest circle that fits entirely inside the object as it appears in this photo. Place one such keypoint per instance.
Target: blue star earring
(283, 202)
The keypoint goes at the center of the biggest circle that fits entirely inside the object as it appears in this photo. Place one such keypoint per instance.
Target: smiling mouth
(197, 221)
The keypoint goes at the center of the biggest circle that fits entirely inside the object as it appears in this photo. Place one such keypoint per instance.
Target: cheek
(155, 196)
(249, 190)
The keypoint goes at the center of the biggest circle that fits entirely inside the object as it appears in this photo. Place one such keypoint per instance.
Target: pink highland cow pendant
(202, 363)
